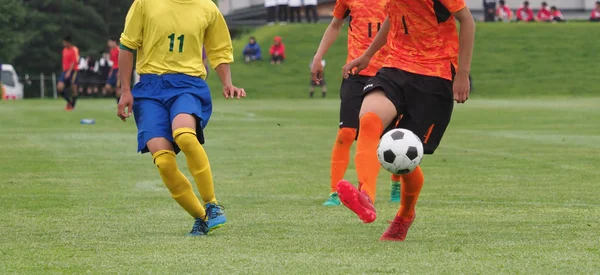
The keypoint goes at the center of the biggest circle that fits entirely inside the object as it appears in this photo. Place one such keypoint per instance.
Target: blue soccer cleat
(333, 200)
(200, 228)
(216, 216)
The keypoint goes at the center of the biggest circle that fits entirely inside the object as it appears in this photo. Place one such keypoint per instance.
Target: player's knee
(346, 135)
(186, 139)
(165, 161)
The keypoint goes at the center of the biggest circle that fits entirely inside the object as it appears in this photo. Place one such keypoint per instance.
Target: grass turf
(513, 189)
(516, 60)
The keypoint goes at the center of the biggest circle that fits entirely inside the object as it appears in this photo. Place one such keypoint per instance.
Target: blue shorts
(112, 78)
(72, 80)
(159, 98)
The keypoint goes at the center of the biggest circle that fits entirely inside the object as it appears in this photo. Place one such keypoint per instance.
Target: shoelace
(197, 226)
(214, 210)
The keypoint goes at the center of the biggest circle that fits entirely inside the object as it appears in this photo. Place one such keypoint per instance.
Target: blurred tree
(13, 29)
(48, 22)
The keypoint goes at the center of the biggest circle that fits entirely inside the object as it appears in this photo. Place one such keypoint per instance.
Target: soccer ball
(400, 151)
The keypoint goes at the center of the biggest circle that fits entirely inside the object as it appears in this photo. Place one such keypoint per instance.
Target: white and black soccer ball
(400, 151)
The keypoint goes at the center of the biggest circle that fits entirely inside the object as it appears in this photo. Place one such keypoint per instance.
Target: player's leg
(154, 132)
(311, 90)
(189, 113)
(74, 88)
(323, 88)
(60, 88)
(378, 110)
(350, 101)
(429, 109)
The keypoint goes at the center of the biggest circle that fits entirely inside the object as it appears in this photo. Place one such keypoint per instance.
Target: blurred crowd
(498, 11)
(284, 11)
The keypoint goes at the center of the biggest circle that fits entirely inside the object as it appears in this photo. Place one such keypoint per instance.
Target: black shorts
(424, 102)
(351, 95)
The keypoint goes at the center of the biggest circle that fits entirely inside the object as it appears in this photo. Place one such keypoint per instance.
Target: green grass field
(512, 189)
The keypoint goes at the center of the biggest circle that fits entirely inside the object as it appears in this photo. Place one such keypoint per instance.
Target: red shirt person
(69, 77)
(504, 13)
(365, 20)
(525, 13)
(557, 16)
(112, 83)
(277, 51)
(419, 80)
(595, 15)
(544, 14)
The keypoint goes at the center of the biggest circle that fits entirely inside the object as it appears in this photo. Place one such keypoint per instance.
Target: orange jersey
(366, 18)
(423, 36)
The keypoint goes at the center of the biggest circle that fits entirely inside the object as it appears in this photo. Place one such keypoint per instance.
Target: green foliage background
(32, 30)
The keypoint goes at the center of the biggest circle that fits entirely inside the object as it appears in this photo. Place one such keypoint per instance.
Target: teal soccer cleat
(333, 200)
(200, 228)
(395, 191)
(216, 216)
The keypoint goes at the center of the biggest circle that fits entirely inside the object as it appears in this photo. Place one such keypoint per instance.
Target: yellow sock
(179, 186)
(197, 162)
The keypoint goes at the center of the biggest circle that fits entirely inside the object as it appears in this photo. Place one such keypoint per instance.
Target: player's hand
(316, 70)
(126, 101)
(355, 66)
(68, 74)
(461, 87)
(231, 91)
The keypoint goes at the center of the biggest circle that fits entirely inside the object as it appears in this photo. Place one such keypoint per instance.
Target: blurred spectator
(295, 8)
(504, 13)
(104, 67)
(321, 84)
(557, 16)
(283, 7)
(544, 14)
(310, 8)
(89, 85)
(252, 50)
(489, 10)
(277, 51)
(595, 15)
(271, 6)
(524, 13)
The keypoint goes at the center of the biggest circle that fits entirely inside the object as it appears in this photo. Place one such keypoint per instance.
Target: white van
(10, 82)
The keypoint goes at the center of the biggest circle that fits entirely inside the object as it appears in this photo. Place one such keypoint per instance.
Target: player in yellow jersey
(171, 103)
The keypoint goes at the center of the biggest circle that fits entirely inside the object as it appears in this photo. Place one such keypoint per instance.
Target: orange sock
(367, 164)
(396, 178)
(340, 155)
(411, 188)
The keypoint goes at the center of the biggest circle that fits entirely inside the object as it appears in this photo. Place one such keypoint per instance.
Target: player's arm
(131, 40)
(466, 40)
(331, 34)
(380, 40)
(219, 52)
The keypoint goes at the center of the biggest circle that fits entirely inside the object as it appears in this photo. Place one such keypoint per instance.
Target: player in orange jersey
(427, 69)
(365, 19)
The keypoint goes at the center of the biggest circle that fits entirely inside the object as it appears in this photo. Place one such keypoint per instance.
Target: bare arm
(125, 69)
(380, 39)
(466, 40)
(331, 34)
(224, 72)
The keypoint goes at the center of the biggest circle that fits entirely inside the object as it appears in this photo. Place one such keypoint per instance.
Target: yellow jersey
(169, 35)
